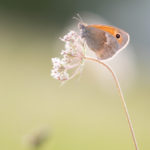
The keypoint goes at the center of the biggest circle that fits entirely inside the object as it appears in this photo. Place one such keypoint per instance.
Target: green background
(85, 113)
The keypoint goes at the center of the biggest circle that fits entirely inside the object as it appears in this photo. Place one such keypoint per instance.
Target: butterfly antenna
(78, 15)
(78, 18)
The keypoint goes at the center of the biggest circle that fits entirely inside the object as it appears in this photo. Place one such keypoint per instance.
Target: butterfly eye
(117, 36)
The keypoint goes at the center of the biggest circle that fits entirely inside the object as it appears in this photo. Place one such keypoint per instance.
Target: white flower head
(72, 57)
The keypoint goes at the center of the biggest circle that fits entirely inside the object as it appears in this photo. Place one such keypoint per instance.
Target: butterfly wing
(123, 39)
(101, 42)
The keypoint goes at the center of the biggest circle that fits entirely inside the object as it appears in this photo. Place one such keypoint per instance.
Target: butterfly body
(104, 40)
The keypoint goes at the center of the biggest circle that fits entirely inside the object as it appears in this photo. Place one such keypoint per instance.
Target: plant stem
(121, 95)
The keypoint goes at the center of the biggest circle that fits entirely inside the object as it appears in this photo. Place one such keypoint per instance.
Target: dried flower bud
(72, 57)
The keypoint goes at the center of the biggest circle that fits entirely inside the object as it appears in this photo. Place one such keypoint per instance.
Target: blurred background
(86, 113)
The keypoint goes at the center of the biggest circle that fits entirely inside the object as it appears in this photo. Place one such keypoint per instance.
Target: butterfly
(104, 40)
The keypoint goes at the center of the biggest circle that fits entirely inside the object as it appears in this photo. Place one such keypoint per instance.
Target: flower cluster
(72, 57)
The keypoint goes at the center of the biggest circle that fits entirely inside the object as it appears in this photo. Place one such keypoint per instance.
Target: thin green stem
(121, 95)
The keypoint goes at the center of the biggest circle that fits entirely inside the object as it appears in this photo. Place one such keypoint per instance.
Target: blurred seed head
(37, 138)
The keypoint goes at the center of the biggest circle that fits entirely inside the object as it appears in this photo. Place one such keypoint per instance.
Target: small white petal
(56, 60)
(64, 76)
